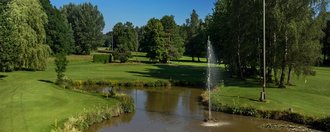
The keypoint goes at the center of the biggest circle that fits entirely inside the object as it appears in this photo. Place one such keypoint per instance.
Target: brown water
(175, 110)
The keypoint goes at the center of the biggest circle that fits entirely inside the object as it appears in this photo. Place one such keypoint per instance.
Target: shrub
(102, 58)
(322, 124)
(87, 118)
(61, 62)
(127, 102)
(122, 54)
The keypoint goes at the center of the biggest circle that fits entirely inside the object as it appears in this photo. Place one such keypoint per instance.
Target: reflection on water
(173, 109)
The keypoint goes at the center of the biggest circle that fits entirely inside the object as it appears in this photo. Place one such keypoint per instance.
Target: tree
(59, 35)
(162, 40)
(125, 40)
(61, 62)
(293, 34)
(87, 23)
(7, 49)
(27, 34)
(154, 40)
(326, 44)
(193, 25)
(174, 44)
(108, 40)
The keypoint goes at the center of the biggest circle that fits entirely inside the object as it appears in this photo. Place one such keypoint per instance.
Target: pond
(174, 109)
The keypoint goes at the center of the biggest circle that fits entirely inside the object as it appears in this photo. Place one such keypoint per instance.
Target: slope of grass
(30, 103)
(310, 96)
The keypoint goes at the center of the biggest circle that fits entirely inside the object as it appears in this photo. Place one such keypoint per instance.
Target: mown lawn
(30, 103)
(310, 95)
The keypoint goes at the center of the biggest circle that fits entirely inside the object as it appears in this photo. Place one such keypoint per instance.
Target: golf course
(35, 103)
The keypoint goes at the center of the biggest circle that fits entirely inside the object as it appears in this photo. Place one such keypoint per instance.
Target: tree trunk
(199, 60)
(274, 59)
(325, 59)
(239, 64)
(281, 85)
(289, 75)
(275, 76)
(269, 76)
(193, 58)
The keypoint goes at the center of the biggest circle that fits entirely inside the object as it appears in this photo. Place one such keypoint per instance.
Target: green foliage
(7, 49)
(125, 40)
(126, 102)
(162, 40)
(122, 54)
(61, 62)
(87, 24)
(196, 37)
(85, 119)
(102, 58)
(326, 44)
(59, 35)
(27, 34)
(90, 83)
(125, 36)
(293, 34)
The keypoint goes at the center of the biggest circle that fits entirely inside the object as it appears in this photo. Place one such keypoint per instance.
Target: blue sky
(140, 11)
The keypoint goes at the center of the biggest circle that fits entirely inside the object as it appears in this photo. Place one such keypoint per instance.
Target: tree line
(32, 30)
(294, 34)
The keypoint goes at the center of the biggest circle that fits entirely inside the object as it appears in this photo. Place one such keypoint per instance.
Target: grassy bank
(310, 96)
(306, 102)
(87, 118)
(29, 102)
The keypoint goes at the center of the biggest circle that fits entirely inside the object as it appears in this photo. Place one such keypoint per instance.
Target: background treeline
(297, 33)
(31, 30)
(294, 33)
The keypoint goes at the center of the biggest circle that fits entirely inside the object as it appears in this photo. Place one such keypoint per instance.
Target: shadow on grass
(255, 100)
(195, 74)
(189, 61)
(3, 76)
(174, 72)
(45, 81)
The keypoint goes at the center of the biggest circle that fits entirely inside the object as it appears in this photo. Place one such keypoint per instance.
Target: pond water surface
(175, 109)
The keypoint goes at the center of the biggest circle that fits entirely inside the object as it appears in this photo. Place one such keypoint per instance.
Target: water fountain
(212, 80)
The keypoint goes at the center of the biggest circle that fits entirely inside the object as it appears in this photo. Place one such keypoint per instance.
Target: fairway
(30, 103)
(28, 99)
(310, 97)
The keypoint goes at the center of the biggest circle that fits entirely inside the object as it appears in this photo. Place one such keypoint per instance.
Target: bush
(122, 54)
(127, 102)
(102, 58)
(322, 124)
(61, 62)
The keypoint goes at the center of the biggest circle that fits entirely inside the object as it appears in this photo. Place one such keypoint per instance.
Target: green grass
(28, 104)
(311, 98)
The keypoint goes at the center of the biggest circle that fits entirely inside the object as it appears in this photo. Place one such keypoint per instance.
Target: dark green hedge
(102, 58)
